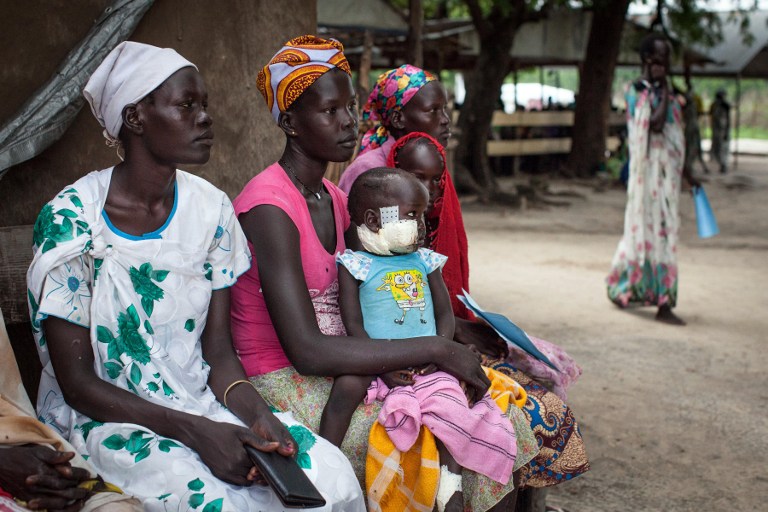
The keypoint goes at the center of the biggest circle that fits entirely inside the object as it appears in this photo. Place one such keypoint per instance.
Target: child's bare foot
(666, 315)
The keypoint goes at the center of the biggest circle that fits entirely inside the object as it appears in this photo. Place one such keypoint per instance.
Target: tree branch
(476, 12)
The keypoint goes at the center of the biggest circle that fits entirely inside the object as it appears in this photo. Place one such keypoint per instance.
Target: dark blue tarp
(48, 113)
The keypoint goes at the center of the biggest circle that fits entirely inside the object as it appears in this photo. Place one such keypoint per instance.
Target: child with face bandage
(391, 288)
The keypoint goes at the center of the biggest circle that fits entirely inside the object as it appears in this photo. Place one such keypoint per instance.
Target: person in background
(691, 111)
(644, 267)
(720, 115)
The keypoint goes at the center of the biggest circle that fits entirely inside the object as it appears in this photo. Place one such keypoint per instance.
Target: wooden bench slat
(15, 257)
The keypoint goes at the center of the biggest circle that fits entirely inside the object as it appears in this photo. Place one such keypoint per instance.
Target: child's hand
(482, 336)
(427, 369)
(398, 378)
(470, 398)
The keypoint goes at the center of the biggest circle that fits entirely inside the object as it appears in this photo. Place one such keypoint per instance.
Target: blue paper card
(504, 327)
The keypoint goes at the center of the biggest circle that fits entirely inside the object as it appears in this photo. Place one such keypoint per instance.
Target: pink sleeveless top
(254, 336)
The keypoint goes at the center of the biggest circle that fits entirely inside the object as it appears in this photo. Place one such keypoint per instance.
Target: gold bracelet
(229, 388)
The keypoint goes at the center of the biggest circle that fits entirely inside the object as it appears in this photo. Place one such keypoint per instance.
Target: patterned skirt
(561, 456)
(305, 397)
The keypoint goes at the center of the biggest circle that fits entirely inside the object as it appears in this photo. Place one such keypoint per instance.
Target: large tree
(496, 23)
(590, 127)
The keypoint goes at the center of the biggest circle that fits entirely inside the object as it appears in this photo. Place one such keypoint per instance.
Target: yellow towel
(399, 482)
(504, 390)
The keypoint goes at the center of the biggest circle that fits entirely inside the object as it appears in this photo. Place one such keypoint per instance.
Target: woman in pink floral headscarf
(404, 100)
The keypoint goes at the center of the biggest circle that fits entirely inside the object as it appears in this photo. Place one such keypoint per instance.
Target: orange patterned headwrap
(295, 67)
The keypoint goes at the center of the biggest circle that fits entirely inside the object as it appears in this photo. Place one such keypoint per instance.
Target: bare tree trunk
(590, 126)
(483, 87)
(415, 24)
(497, 33)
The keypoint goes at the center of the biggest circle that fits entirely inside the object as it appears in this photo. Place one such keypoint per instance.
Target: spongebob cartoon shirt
(394, 291)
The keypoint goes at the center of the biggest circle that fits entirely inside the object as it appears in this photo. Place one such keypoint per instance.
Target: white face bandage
(449, 484)
(394, 237)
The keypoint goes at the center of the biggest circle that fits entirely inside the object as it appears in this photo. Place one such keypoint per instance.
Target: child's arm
(349, 303)
(441, 303)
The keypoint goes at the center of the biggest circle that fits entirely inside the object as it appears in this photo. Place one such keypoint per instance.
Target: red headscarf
(445, 227)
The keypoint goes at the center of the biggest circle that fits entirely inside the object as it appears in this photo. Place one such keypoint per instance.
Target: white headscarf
(129, 73)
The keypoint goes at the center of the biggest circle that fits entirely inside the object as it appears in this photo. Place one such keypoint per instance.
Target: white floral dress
(145, 301)
(644, 267)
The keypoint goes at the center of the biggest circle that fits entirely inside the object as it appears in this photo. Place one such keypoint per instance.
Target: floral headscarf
(298, 64)
(393, 90)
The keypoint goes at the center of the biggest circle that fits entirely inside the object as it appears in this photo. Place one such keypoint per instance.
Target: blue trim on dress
(153, 235)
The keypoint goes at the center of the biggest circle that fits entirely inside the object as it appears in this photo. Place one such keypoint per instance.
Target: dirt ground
(674, 418)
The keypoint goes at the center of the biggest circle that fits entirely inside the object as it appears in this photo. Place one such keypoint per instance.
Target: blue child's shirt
(394, 292)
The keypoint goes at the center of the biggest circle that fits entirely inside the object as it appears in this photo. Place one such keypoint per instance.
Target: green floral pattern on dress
(139, 444)
(305, 440)
(47, 233)
(143, 285)
(129, 342)
(88, 426)
(197, 498)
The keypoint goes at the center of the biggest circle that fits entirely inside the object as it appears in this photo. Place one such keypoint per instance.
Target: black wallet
(287, 479)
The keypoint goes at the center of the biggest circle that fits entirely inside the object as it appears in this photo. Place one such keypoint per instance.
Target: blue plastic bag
(705, 219)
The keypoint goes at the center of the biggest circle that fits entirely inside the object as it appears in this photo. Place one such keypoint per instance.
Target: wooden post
(738, 124)
(415, 23)
(364, 72)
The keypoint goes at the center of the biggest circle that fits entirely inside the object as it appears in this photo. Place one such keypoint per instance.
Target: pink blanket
(481, 439)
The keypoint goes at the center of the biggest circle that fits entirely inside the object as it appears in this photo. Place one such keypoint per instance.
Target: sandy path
(674, 417)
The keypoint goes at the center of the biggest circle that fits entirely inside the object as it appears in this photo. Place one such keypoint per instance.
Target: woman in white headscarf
(129, 300)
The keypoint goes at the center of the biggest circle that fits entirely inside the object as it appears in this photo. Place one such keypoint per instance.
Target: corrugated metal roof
(364, 14)
(733, 56)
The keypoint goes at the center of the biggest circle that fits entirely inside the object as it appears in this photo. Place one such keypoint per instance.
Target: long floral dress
(644, 268)
(145, 301)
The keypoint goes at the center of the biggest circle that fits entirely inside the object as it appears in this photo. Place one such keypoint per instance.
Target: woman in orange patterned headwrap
(285, 313)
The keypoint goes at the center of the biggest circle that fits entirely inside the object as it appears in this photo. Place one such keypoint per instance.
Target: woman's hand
(482, 336)
(269, 428)
(464, 363)
(221, 446)
(43, 478)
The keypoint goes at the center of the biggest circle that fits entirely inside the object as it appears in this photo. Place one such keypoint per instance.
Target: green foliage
(457, 9)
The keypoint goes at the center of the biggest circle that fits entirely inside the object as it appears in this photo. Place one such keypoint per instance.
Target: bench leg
(531, 500)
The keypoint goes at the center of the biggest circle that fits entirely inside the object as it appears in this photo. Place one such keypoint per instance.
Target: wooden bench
(15, 257)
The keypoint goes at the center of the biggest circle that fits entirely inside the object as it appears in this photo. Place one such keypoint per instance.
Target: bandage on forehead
(389, 214)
